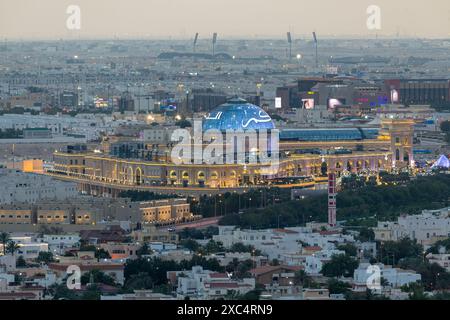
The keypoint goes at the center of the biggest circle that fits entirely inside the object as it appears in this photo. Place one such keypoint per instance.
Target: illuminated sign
(394, 96)
(278, 103)
(308, 103)
(333, 103)
(100, 102)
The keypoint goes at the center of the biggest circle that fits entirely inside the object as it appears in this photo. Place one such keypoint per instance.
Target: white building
(158, 135)
(442, 259)
(6, 278)
(426, 228)
(279, 243)
(7, 262)
(206, 284)
(19, 187)
(394, 276)
(88, 125)
(314, 263)
(28, 248)
(58, 243)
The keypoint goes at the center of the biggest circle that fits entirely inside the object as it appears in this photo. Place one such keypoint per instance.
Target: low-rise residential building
(426, 228)
(173, 255)
(205, 284)
(442, 259)
(150, 233)
(87, 262)
(314, 262)
(121, 250)
(394, 276)
(282, 244)
(226, 258)
(316, 294)
(28, 247)
(59, 243)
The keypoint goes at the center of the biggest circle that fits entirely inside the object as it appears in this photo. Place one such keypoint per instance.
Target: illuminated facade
(366, 151)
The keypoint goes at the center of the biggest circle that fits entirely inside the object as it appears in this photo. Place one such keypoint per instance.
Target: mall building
(311, 152)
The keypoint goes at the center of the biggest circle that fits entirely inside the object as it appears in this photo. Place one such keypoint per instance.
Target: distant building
(205, 100)
(19, 187)
(426, 228)
(152, 234)
(37, 133)
(418, 91)
(68, 99)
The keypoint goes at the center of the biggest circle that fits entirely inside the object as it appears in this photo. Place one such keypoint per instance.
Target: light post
(299, 57)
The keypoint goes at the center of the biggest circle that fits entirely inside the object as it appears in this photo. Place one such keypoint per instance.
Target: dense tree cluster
(155, 270)
(385, 202)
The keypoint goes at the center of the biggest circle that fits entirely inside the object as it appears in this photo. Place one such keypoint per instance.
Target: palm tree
(12, 247)
(4, 238)
(302, 278)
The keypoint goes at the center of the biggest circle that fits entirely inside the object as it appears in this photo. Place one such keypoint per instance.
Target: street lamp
(299, 57)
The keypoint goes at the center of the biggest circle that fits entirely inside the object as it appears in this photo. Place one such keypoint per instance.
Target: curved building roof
(237, 114)
(329, 134)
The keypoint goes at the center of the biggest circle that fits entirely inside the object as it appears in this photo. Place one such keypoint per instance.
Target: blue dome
(237, 114)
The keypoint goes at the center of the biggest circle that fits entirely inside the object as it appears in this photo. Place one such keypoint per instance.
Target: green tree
(253, 295)
(442, 244)
(4, 239)
(190, 244)
(242, 248)
(143, 250)
(12, 247)
(21, 263)
(274, 262)
(61, 292)
(393, 251)
(445, 126)
(92, 292)
(97, 276)
(301, 278)
(349, 249)
(102, 254)
(140, 281)
(340, 265)
(213, 247)
(240, 269)
(338, 287)
(45, 257)
(416, 291)
(366, 235)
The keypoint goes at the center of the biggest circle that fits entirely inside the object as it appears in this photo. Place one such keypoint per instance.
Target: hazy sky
(46, 19)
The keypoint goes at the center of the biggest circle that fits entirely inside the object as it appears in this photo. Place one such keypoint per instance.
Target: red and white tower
(332, 195)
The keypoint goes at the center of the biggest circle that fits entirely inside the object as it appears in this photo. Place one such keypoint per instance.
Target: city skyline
(176, 19)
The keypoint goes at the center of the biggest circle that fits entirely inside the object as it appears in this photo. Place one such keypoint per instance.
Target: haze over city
(180, 19)
(259, 153)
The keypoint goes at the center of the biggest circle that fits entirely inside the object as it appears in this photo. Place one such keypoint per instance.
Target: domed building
(238, 114)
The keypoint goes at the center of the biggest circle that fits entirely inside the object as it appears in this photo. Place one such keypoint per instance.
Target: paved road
(200, 224)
